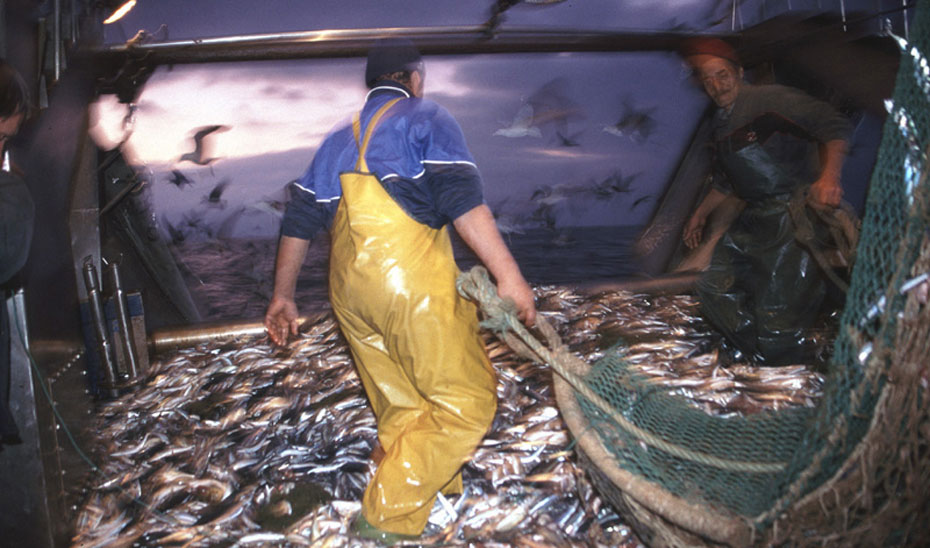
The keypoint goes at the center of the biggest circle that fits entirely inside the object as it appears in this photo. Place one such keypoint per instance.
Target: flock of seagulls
(550, 113)
(545, 199)
(193, 222)
(550, 110)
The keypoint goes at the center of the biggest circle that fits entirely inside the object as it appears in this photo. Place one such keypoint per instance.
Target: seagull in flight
(214, 198)
(178, 179)
(203, 145)
(522, 125)
(636, 124)
(548, 108)
(501, 6)
(615, 184)
(640, 200)
(569, 140)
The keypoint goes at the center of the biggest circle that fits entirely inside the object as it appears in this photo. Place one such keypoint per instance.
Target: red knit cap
(708, 46)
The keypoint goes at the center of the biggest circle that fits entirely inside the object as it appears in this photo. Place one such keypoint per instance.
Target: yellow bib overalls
(416, 345)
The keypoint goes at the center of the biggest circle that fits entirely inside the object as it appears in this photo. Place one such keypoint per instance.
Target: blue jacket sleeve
(304, 217)
(455, 189)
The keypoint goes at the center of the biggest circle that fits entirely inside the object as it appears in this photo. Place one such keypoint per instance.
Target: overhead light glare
(120, 12)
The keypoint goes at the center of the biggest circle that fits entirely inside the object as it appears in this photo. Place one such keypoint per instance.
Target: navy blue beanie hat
(389, 55)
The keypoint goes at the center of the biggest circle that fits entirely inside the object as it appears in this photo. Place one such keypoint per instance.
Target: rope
(501, 317)
(842, 224)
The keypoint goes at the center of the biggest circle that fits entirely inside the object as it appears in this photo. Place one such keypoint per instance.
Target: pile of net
(851, 470)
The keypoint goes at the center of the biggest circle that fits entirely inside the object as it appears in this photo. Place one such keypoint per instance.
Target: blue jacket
(418, 152)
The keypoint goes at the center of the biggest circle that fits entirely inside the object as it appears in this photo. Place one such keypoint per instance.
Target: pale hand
(281, 320)
(825, 193)
(694, 230)
(522, 296)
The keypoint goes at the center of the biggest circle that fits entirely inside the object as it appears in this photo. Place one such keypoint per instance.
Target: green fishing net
(756, 466)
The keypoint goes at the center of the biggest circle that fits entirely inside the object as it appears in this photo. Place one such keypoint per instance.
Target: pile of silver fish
(246, 444)
(664, 338)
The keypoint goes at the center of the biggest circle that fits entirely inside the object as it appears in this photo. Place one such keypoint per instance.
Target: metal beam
(451, 40)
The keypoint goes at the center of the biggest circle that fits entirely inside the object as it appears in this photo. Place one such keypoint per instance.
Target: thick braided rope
(501, 317)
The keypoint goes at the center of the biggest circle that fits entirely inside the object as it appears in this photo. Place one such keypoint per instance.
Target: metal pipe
(677, 282)
(355, 43)
(19, 301)
(100, 328)
(122, 316)
(56, 37)
(169, 339)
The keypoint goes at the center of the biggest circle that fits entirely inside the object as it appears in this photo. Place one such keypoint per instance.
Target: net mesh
(805, 447)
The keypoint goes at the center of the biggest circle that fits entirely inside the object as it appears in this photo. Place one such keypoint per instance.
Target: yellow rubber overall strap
(369, 131)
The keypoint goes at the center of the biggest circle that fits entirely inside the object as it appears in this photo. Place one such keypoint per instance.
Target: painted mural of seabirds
(636, 124)
(202, 154)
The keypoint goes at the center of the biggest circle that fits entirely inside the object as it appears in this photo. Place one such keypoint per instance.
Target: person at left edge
(16, 224)
(414, 340)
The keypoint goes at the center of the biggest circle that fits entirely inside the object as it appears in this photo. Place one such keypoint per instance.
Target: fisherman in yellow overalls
(388, 184)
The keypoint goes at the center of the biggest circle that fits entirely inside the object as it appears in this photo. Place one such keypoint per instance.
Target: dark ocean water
(233, 279)
(573, 254)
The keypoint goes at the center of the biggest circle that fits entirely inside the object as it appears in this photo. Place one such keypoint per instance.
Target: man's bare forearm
(478, 229)
(710, 202)
(291, 254)
(833, 158)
